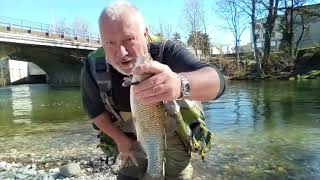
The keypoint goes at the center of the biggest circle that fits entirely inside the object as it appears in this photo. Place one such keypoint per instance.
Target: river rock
(21, 176)
(3, 166)
(30, 172)
(43, 177)
(70, 169)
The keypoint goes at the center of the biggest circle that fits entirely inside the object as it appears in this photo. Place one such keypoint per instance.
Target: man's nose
(121, 51)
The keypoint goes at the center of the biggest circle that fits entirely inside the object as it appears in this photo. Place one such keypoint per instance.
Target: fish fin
(163, 167)
(165, 140)
(127, 81)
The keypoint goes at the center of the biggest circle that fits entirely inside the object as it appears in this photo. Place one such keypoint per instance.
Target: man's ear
(146, 32)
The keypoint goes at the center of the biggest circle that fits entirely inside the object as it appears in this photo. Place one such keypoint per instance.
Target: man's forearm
(104, 123)
(205, 84)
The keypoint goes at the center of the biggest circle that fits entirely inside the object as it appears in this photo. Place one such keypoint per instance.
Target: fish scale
(149, 122)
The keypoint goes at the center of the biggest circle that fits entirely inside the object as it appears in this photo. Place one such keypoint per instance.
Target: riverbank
(60, 151)
(281, 67)
(95, 166)
(79, 168)
(73, 169)
(55, 155)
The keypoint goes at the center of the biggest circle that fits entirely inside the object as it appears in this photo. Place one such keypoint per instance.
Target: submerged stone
(70, 169)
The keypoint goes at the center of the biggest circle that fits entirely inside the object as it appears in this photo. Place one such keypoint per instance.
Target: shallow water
(263, 130)
(43, 124)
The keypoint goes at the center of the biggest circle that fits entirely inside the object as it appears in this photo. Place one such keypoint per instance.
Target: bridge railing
(20, 26)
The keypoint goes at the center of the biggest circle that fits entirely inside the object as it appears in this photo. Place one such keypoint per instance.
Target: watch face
(187, 90)
(185, 87)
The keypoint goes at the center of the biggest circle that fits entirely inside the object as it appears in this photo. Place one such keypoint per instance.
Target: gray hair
(118, 8)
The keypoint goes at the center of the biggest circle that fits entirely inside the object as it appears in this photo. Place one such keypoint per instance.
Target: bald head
(123, 35)
(121, 10)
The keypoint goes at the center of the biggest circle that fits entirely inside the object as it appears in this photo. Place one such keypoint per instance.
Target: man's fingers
(149, 83)
(151, 91)
(155, 99)
(123, 159)
(154, 68)
(133, 159)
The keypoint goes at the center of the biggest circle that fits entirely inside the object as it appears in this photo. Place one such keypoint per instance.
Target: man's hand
(164, 85)
(124, 147)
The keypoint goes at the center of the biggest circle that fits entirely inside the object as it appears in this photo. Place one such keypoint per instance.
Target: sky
(166, 12)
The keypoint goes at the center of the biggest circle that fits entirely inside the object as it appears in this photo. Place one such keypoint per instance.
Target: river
(263, 130)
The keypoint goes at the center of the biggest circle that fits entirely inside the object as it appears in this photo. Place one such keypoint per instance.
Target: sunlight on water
(267, 130)
(21, 104)
(38, 108)
(263, 130)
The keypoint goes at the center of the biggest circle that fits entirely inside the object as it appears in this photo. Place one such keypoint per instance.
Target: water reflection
(273, 104)
(266, 130)
(21, 104)
(35, 108)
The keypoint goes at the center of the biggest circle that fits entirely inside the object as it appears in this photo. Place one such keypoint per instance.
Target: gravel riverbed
(63, 151)
(59, 153)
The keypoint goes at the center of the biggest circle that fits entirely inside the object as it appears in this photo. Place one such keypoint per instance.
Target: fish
(149, 121)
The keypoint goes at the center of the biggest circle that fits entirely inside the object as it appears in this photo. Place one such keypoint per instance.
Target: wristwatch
(185, 87)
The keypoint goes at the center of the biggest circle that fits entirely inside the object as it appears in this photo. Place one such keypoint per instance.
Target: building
(276, 35)
(222, 49)
(311, 23)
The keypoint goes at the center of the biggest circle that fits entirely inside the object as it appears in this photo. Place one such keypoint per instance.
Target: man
(124, 38)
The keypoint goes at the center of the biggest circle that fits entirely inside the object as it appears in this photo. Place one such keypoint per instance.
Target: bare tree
(61, 26)
(306, 15)
(287, 23)
(152, 29)
(250, 8)
(2, 73)
(272, 8)
(287, 26)
(81, 27)
(202, 15)
(295, 18)
(219, 47)
(168, 31)
(194, 17)
(236, 22)
(176, 36)
(164, 30)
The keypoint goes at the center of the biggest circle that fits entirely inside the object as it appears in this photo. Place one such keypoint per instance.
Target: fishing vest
(185, 117)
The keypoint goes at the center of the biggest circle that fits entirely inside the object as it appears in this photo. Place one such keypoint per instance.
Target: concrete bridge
(59, 53)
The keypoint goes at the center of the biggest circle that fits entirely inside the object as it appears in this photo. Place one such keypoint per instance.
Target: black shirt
(178, 58)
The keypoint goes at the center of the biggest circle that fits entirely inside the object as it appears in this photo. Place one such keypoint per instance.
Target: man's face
(123, 41)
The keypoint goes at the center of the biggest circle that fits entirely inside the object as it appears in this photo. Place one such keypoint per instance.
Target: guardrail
(19, 26)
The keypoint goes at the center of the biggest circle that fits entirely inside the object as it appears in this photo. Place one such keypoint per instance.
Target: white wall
(22, 69)
(18, 70)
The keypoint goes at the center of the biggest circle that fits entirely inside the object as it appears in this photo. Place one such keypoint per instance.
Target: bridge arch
(61, 57)
(62, 65)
